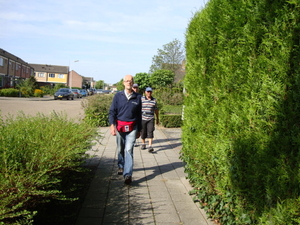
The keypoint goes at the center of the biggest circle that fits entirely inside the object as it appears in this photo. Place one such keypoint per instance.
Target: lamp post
(70, 73)
(91, 78)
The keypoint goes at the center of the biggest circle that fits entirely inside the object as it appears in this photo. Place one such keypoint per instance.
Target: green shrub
(169, 121)
(171, 109)
(34, 152)
(96, 109)
(169, 95)
(47, 90)
(27, 86)
(26, 91)
(9, 92)
(169, 101)
(38, 93)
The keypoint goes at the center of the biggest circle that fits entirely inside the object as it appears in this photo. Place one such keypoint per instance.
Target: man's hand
(113, 130)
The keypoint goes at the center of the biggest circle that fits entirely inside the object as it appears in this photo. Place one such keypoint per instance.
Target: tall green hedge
(241, 131)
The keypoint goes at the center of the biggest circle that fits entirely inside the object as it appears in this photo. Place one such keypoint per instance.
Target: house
(75, 79)
(13, 70)
(178, 69)
(88, 82)
(50, 74)
(180, 72)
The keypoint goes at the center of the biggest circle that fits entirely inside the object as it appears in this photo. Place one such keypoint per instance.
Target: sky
(103, 39)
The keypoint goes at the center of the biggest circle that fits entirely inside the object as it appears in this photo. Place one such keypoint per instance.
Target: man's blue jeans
(125, 145)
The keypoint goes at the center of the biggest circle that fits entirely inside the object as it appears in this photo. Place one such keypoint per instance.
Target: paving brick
(158, 194)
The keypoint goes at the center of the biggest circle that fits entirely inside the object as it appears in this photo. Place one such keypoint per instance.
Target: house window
(17, 66)
(60, 76)
(51, 75)
(41, 74)
(1, 62)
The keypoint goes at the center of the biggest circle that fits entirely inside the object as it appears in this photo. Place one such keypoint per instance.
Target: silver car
(76, 93)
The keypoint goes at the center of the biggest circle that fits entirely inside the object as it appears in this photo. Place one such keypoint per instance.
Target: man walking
(149, 108)
(135, 88)
(125, 124)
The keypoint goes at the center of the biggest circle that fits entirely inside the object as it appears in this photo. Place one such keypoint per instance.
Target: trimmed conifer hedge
(241, 129)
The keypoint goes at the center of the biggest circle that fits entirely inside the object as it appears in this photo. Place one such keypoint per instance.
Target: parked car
(90, 91)
(106, 92)
(83, 92)
(76, 93)
(99, 91)
(63, 93)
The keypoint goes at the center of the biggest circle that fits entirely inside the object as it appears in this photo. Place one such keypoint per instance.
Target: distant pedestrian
(135, 88)
(125, 124)
(149, 109)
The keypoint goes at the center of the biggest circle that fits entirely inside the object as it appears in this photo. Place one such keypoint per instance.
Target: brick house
(13, 69)
(75, 79)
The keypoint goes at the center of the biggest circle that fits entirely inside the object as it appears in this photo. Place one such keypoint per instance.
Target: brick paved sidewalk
(158, 194)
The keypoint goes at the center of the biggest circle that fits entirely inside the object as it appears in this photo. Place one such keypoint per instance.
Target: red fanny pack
(124, 126)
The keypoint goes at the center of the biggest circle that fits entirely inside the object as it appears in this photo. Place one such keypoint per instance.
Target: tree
(99, 84)
(143, 80)
(27, 86)
(120, 85)
(161, 78)
(168, 58)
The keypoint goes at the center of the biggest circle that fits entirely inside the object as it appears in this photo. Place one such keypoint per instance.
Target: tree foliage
(120, 85)
(27, 86)
(161, 78)
(168, 58)
(99, 84)
(143, 80)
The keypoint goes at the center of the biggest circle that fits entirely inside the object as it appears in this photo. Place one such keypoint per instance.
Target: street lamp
(92, 77)
(70, 73)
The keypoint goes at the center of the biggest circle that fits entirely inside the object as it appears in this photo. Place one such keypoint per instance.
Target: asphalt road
(46, 105)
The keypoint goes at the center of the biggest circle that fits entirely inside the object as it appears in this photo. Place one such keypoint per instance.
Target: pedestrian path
(158, 194)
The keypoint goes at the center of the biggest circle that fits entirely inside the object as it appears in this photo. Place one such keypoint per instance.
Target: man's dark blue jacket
(126, 110)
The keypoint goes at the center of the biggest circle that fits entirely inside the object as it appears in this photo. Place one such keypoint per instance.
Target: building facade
(13, 70)
(88, 82)
(75, 80)
(50, 74)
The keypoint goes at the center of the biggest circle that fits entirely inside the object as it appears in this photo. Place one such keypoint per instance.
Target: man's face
(136, 89)
(128, 82)
(148, 93)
